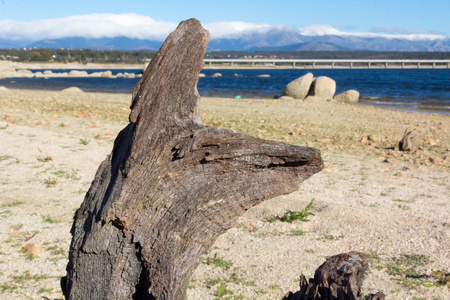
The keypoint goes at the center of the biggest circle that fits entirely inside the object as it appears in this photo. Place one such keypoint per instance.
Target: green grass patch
(50, 220)
(291, 216)
(219, 262)
(11, 204)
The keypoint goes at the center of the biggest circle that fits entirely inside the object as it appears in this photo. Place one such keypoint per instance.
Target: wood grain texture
(171, 186)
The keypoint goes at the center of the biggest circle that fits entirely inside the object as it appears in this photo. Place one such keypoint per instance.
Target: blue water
(406, 89)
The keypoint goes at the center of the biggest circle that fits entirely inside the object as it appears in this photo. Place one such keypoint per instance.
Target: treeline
(138, 57)
(329, 55)
(76, 55)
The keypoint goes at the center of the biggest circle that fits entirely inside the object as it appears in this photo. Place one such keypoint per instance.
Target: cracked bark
(171, 186)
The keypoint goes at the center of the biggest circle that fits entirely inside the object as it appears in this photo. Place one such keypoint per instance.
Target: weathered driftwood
(340, 277)
(171, 186)
(405, 144)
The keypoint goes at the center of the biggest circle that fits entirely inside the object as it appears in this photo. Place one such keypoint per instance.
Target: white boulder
(323, 87)
(350, 96)
(299, 88)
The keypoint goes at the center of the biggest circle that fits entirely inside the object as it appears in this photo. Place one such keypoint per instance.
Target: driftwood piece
(171, 186)
(405, 144)
(340, 277)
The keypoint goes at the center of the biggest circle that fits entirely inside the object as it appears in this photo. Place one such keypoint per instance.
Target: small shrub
(290, 216)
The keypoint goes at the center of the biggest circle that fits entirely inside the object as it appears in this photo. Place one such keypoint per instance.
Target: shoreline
(26, 71)
(370, 197)
(361, 102)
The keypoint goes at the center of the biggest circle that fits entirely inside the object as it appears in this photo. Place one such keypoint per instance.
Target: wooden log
(340, 277)
(405, 143)
(171, 186)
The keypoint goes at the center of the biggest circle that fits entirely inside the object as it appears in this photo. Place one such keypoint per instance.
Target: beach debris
(405, 144)
(340, 277)
(350, 96)
(171, 186)
(299, 88)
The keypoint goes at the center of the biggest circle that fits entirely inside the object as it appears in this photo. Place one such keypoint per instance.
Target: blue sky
(24, 19)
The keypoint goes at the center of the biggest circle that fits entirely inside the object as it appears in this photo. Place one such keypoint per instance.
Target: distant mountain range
(273, 40)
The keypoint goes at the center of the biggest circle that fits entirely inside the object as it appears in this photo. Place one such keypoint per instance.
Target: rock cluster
(321, 88)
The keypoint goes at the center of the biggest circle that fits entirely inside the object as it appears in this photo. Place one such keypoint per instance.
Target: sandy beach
(370, 197)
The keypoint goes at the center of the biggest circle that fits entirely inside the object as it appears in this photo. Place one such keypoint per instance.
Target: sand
(370, 198)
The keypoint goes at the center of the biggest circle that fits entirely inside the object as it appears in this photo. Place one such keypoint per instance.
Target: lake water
(406, 89)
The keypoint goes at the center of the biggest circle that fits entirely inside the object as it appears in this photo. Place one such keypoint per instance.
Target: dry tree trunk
(171, 186)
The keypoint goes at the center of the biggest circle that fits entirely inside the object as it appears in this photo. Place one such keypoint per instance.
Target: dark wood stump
(171, 186)
(405, 143)
(340, 277)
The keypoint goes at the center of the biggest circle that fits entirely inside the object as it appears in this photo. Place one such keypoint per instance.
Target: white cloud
(234, 29)
(90, 26)
(142, 27)
(325, 29)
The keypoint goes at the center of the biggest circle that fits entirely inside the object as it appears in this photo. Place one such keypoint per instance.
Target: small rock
(78, 73)
(436, 160)
(216, 75)
(107, 74)
(391, 161)
(264, 75)
(201, 75)
(285, 98)
(373, 138)
(72, 89)
(9, 119)
(399, 174)
(33, 249)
